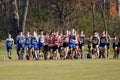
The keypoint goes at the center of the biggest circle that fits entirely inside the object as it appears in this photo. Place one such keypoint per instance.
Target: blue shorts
(40, 45)
(8, 48)
(35, 47)
(72, 45)
(20, 48)
(20, 45)
(29, 46)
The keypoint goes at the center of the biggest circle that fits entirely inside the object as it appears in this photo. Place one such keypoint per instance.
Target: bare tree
(17, 20)
(14, 19)
(24, 15)
(4, 15)
(61, 9)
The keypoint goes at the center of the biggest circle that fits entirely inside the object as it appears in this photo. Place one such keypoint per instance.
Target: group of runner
(62, 46)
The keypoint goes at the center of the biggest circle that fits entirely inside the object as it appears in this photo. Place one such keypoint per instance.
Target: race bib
(95, 41)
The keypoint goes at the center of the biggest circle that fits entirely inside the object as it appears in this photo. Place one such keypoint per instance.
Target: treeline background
(48, 15)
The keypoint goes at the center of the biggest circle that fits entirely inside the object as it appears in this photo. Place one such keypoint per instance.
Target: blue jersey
(95, 40)
(72, 43)
(71, 39)
(34, 42)
(41, 41)
(20, 41)
(81, 39)
(9, 43)
(28, 42)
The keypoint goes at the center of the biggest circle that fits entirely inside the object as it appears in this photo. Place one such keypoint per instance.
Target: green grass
(60, 70)
(94, 69)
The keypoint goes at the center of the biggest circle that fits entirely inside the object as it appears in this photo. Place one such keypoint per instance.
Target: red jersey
(50, 42)
(56, 40)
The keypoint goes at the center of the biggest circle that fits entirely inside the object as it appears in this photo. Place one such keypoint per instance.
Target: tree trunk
(4, 16)
(93, 15)
(14, 19)
(118, 3)
(104, 16)
(24, 15)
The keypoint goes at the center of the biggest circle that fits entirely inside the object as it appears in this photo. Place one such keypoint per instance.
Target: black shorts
(77, 44)
(55, 48)
(50, 48)
(60, 48)
(89, 47)
(72, 48)
(94, 45)
(114, 46)
(81, 45)
(108, 45)
(65, 44)
(102, 44)
(46, 48)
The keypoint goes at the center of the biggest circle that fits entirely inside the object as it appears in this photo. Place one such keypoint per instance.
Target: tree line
(86, 15)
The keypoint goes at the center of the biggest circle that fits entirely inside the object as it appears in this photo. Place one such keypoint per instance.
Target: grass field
(100, 69)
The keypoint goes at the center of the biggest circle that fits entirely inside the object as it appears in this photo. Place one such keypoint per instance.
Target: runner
(65, 44)
(20, 45)
(56, 43)
(50, 46)
(46, 49)
(81, 43)
(35, 48)
(72, 44)
(28, 46)
(9, 46)
(116, 46)
(95, 44)
(90, 52)
(41, 43)
(108, 40)
(102, 47)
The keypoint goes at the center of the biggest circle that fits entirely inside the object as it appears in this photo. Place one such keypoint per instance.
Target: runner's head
(56, 33)
(103, 33)
(116, 37)
(73, 31)
(41, 32)
(20, 33)
(28, 33)
(81, 32)
(34, 33)
(67, 32)
(95, 33)
(9, 35)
